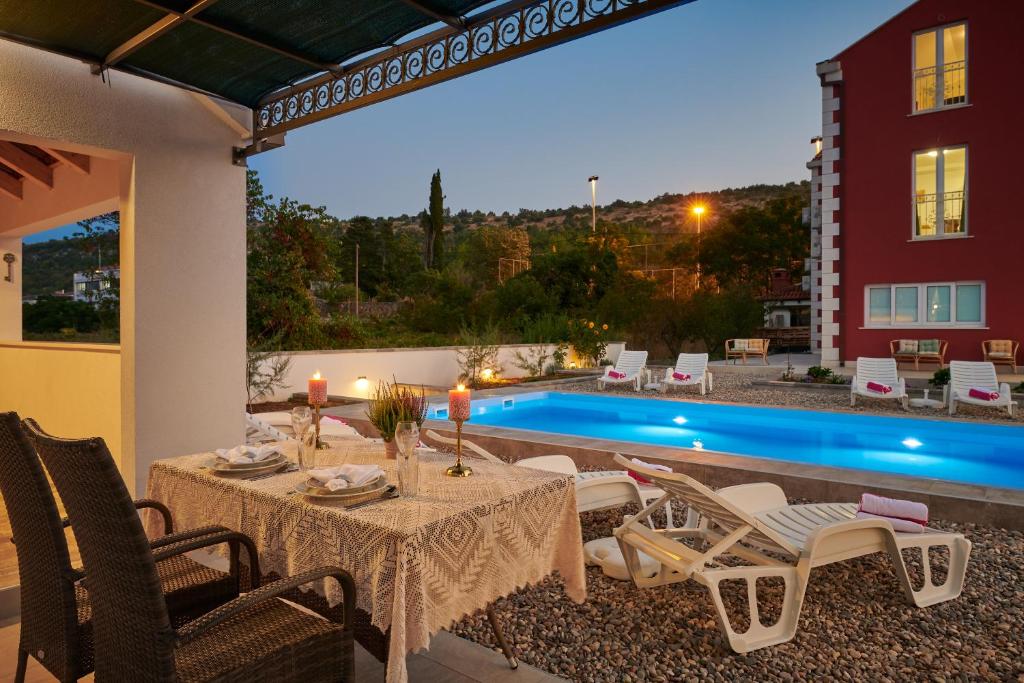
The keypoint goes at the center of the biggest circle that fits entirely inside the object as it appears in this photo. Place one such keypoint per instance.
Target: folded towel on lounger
(681, 376)
(642, 480)
(615, 374)
(903, 525)
(983, 394)
(891, 507)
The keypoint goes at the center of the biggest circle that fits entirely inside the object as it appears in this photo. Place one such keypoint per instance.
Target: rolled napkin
(615, 374)
(244, 455)
(879, 388)
(894, 508)
(345, 476)
(644, 480)
(904, 525)
(983, 394)
(681, 376)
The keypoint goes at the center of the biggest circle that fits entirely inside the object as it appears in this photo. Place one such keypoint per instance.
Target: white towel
(245, 455)
(344, 476)
(904, 525)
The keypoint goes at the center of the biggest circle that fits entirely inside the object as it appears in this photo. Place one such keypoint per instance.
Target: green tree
(432, 223)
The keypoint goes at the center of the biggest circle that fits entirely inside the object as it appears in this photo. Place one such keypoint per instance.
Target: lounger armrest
(196, 628)
(902, 384)
(143, 503)
(205, 541)
(818, 542)
(853, 384)
(1004, 390)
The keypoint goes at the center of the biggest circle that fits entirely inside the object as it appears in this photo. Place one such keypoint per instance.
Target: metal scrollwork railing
(494, 36)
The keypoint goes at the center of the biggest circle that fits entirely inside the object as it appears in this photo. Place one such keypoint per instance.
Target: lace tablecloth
(419, 563)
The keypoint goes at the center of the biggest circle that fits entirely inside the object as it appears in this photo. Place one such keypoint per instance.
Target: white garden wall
(436, 366)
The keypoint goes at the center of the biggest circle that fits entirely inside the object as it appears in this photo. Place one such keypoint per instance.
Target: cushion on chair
(1001, 348)
(755, 345)
(928, 346)
(739, 344)
(908, 346)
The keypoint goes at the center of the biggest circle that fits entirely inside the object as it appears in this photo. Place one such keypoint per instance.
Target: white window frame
(940, 72)
(922, 306)
(940, 194)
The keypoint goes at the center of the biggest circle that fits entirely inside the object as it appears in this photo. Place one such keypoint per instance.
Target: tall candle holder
(320, 445)
(458, 469)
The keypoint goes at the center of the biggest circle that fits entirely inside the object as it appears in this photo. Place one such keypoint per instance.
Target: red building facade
(920, 234)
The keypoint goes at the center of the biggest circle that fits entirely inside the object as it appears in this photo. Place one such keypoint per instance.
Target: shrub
(940, 378)
(264, 372)
(534, 364)
(818, 372)
(480, 353)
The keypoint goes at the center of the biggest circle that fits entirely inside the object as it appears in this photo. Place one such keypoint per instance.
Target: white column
(831, 77)
(10, 292)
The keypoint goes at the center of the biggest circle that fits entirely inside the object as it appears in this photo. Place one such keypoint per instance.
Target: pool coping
(948, 500)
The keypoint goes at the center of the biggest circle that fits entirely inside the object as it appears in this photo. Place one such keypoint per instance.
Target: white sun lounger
(696, 366)
(965, 375)
(803, 536)
(632, 364)
(881, 371)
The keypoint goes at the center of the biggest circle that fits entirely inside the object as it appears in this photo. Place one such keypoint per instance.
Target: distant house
(95, 285)
(917, 180)
(787, 310)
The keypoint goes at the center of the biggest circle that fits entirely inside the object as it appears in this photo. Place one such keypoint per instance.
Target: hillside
(49, 266)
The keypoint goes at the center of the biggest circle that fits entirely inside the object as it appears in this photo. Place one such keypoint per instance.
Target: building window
(940, 68)
(940, 304)
(940, 192)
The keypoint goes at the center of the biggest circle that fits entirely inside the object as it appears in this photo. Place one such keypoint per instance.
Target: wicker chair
(56, 622)
(255, 637)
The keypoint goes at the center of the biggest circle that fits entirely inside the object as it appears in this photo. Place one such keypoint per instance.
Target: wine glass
(302, 420)
(407, 435)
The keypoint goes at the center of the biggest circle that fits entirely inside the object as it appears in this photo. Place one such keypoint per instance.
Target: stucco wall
(10, 292)
(879, 137)
(182, 244)
(430, 367)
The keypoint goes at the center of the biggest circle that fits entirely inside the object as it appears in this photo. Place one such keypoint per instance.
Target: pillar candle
(458, 404)
(317, 390)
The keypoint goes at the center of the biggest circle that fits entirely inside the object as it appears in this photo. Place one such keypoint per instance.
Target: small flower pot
(391, 450)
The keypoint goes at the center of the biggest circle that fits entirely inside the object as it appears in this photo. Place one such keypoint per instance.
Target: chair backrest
(48, 609)
(434, 436)
(712, 506)
(964, 374)
(695, 364)
(882, 370)
(265, 429)
(132, 634)
(999, 346)
(631, 361)
(562, 464)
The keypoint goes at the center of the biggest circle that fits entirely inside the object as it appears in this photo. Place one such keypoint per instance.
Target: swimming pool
(965, 452)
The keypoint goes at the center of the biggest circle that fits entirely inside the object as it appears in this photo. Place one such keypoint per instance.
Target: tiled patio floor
(449, 660)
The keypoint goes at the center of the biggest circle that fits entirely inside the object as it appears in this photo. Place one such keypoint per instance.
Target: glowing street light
(698, 211)
(593, 202)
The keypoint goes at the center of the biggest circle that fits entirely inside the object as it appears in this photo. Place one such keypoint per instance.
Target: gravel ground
(855, 624)
(733, 386)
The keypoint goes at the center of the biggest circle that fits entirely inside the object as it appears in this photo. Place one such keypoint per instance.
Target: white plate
(248, 471)
(223, 465)
(343, 494)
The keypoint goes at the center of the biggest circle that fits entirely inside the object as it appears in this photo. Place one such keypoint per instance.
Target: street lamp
(699, 211)
(593, 202)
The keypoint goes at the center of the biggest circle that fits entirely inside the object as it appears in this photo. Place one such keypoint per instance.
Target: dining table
(420, 562)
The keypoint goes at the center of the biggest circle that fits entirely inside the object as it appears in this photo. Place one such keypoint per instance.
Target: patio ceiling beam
(147, 36)
(17, 159)
(285, 52)
(424, 8)
(10, 186)
(78, 163)
(500, 34)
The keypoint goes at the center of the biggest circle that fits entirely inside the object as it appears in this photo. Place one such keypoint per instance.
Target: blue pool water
(937, 449)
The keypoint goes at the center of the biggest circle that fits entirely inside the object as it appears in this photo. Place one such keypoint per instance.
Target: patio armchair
(1001, 352)
(56, 613)
(965, 376)
(917, 351)
(696, 366)
(798, 537)
(744, 348)
(253, 637)
(629, 368)
(872, 375)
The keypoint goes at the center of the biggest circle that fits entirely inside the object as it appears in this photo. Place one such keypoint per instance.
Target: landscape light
(486, 374)
(698, 209)
(362, 382)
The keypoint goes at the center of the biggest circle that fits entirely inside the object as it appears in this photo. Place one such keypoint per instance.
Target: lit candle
(317, 390)
(458, 404)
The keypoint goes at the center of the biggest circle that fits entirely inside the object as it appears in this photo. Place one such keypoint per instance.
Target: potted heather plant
(390, 405)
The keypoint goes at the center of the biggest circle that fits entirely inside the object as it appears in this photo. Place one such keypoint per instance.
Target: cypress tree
(436, 233)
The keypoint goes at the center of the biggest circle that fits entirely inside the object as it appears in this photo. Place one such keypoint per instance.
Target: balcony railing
(953, 219)
(949, 79)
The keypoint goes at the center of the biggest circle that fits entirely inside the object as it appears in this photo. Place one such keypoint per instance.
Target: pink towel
(643, 480)
(904, 525)
(983, 394)
(681, 376)
(891, 507)
(879, 387)
(615, 374)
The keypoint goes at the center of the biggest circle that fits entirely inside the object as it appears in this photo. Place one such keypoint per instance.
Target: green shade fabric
(325, 31)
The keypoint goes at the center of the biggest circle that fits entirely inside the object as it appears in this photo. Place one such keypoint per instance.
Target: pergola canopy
(297, 61)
